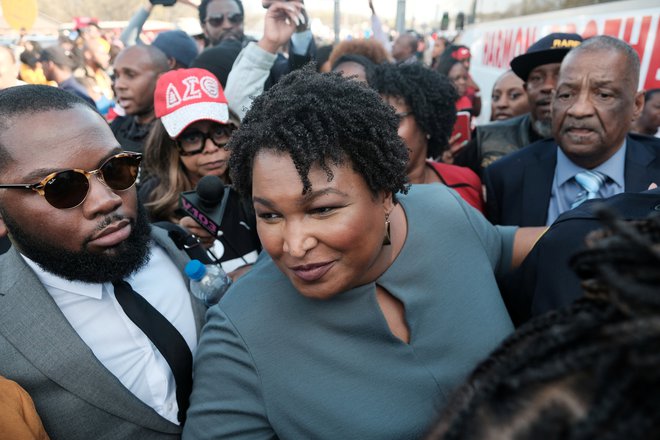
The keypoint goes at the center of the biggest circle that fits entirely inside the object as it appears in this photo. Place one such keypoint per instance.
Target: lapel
(180, 258)
(537, 183)
(31, 321)
(638, 175)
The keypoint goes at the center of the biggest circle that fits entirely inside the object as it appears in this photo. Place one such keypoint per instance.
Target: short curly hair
(324, 119)
(430, 96)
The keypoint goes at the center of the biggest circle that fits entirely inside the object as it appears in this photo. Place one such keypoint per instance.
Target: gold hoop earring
(387, 239)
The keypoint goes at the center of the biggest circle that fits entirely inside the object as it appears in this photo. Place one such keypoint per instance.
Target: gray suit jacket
(75, 395)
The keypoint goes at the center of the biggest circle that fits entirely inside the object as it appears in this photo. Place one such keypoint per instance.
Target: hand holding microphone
(203, 236)
(206, 207)
(207, 203)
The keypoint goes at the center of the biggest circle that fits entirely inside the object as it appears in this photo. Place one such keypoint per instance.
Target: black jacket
(545, 281)
(518, 186)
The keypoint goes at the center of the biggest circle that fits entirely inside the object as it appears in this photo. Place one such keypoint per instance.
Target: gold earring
(387, 239)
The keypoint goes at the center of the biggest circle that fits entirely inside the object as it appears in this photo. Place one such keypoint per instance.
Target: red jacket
(463, 180)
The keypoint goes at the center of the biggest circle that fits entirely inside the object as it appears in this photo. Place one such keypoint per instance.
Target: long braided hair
(588, 371)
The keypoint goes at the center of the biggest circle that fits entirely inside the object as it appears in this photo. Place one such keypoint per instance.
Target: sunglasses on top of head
(216, 20)
(69, 188)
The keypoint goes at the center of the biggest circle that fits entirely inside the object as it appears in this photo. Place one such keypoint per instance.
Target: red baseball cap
(185, 96)
(460, 54)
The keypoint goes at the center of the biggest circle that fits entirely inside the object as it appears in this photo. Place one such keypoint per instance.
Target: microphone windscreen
(210, 189)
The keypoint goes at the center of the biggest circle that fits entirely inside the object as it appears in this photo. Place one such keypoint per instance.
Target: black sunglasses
(193, 142)
(216, 20)
(69, 188)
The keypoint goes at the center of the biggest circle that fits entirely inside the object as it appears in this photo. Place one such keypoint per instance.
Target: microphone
(207, 203)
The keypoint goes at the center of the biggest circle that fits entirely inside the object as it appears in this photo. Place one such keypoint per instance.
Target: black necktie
(164, 336)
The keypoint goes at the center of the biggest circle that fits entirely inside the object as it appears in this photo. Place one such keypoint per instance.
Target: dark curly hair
(588, 371)
(204, 5)
(326, 119)
(430, 96)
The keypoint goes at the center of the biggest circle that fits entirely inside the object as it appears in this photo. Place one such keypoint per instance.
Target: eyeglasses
(68, 189)
(193, 142)
(402, 115)
(216, 20)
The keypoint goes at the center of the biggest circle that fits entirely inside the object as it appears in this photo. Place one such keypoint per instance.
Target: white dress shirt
(116, 341)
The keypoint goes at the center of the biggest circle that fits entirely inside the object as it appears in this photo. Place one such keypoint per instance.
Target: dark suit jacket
(75, 395)
(545, 281)
(518, 186)
(4, 244)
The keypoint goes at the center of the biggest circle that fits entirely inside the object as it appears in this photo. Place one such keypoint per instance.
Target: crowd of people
(393, 276)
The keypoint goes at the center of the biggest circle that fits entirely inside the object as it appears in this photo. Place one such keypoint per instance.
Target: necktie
(164, 336)
(591, 182)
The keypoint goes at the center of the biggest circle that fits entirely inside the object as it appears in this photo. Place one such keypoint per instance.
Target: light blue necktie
(591, 182)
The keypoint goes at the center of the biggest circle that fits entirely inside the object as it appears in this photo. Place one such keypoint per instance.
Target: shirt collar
(91, 290)
(612, 167)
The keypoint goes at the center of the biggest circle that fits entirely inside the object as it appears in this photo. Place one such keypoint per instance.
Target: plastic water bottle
(207, 282)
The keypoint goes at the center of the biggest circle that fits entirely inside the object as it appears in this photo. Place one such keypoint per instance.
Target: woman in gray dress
(372, 300)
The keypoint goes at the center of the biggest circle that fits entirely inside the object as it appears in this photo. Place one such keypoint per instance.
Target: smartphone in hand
(462, 126)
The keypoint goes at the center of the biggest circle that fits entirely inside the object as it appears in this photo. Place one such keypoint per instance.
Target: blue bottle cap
(195, 270)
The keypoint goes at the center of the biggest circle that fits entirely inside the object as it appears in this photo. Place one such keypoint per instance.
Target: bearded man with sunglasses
(260, 64)
(96, 320)
(221, 20)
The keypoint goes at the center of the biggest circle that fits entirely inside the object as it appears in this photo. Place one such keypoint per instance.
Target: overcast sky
(421, 10)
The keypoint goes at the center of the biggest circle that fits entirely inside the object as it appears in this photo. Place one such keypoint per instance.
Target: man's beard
(543, 128)
(231, 34)
(128, 256)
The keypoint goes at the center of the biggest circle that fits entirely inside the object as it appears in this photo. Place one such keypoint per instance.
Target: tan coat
(18, 417)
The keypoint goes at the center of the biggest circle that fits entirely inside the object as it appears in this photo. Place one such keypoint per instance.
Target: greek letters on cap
(194, 88)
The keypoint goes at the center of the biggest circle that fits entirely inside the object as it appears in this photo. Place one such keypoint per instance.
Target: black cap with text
(549, 49)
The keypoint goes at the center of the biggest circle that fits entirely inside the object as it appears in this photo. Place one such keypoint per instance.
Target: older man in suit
(591, 154)
(96, 320)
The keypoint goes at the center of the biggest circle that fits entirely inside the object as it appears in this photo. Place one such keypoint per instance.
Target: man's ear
(3, 227)
(638, 105)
